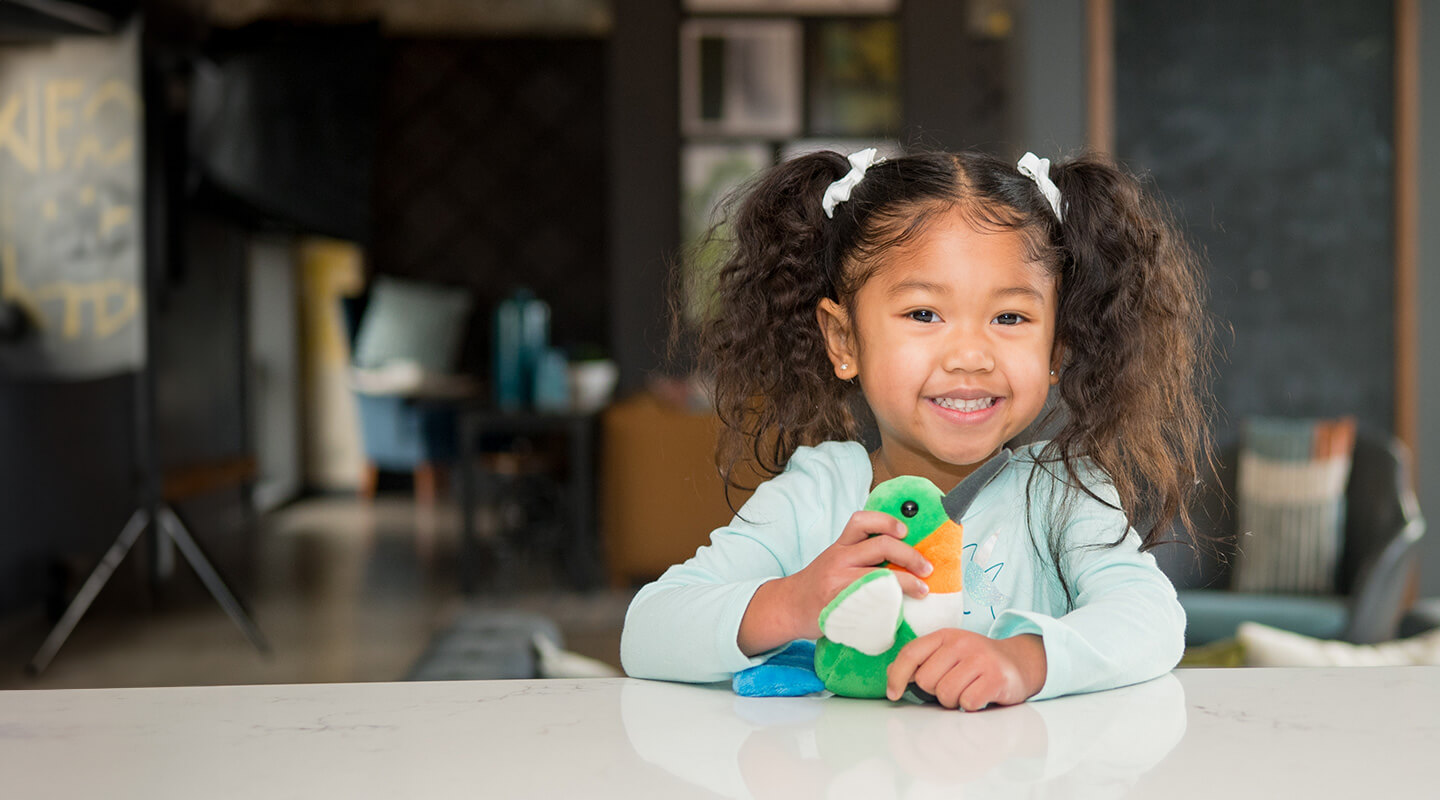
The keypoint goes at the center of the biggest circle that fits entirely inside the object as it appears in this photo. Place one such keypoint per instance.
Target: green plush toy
(867, 624)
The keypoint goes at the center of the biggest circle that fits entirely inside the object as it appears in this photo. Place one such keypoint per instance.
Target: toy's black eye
(910, 508)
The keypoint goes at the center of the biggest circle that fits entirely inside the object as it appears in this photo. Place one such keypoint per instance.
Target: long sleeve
(684, 626)
(1127, 625)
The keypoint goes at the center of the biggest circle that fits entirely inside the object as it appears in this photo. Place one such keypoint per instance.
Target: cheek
(1030, 368)
(883, 352)
(904, 366)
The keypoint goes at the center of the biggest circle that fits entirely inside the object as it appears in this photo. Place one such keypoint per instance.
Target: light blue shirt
(1126, 625)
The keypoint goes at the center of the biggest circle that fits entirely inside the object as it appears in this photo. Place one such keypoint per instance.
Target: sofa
(1382, 530)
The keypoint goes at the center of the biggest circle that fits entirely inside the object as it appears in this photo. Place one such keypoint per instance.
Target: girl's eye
(923, 315)
(1009, 319)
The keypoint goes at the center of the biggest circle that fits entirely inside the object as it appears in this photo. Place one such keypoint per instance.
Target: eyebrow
(918, 286)
(1022, 291)
(937, 288)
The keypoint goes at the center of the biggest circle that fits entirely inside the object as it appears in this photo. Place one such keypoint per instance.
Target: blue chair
(403, 434)
(1383, 527)
(407, 432)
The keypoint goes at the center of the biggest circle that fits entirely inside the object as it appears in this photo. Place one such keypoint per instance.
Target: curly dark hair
(1133, 391)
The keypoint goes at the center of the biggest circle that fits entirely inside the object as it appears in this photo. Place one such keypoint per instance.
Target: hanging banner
(71, 217)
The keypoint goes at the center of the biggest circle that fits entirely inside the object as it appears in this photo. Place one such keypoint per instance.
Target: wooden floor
(346, 591)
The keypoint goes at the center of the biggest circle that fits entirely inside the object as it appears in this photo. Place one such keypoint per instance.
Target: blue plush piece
(788, 673)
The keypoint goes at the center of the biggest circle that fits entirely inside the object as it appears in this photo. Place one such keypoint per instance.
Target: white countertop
(1214, 734)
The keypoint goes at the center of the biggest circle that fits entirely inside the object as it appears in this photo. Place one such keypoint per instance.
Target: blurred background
(368, 298)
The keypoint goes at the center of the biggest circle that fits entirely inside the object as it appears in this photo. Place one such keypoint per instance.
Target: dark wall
(957, 84)
(201, 387)
(1427, 448)
(490, 174)
(282, 124)
(1270, 129)
(200, 346)
(65, 477)
(644, 189)
(69, 454)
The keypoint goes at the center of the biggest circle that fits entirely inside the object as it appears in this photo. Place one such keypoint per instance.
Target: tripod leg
(89, 590)
(175, 529)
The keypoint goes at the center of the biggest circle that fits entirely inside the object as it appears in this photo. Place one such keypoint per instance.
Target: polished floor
(345, 591)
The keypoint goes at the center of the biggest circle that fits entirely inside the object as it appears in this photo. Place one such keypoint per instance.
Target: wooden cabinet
(660, 494)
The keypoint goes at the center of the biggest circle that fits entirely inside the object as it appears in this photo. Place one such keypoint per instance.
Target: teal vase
(521, 337)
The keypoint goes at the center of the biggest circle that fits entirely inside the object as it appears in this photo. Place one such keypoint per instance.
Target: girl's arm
(770, 620)
(686, 626)
(1127, 628)
(1127, 625)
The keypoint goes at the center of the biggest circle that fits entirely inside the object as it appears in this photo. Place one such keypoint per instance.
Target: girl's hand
(968, 670)
(869, 539)
(786, 609)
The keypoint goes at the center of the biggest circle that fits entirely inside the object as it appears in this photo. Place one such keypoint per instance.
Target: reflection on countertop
(1082, 746)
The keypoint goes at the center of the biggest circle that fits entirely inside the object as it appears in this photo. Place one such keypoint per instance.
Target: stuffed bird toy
(867, 624)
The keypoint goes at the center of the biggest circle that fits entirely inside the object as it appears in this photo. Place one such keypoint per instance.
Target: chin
(966, 457)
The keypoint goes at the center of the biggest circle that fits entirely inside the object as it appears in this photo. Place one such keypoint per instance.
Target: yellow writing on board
(51, 126)
(112, 303)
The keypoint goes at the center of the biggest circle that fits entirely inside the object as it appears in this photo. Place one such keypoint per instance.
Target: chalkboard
(70, 205)
(1269, 127)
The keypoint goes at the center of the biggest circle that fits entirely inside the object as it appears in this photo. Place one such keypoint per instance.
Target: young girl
(951, 292)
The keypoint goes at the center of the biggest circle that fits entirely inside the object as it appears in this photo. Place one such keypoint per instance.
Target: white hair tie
(1038, 170)
(839, 191)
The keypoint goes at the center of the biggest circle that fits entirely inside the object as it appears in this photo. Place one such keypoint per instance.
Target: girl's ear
(839, 339)
(1057, 360)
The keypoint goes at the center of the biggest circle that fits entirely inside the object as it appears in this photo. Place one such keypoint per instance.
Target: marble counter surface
(1194, 734)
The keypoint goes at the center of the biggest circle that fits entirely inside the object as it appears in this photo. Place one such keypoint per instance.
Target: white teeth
(965, 405)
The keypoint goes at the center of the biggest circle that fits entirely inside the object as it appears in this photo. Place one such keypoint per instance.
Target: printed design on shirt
(981, 570)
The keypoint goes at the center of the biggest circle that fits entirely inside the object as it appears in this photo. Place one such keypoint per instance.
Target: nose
(968, 351)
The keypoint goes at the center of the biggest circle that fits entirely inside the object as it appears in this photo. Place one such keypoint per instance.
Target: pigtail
(774, 389)
(1136, 338)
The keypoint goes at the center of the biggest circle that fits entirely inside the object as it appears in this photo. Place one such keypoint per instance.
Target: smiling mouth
(966, 406)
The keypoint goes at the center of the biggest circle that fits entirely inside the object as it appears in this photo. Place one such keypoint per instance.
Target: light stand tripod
(153, 512)
(166, 522)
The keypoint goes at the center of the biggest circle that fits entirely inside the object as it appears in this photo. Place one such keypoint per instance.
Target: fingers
(868, 540)
(948, 672)
(953, 666)
(871, 538)
(979, 692)
(880, 549)
(910, 657)
(911, 585)
(863, 524)
(883, 548)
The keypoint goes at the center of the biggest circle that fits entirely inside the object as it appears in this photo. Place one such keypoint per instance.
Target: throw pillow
(1291, 503)
(1271, 647)
(414, 323)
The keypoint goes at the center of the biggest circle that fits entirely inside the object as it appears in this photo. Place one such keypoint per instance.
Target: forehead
(952, 249)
